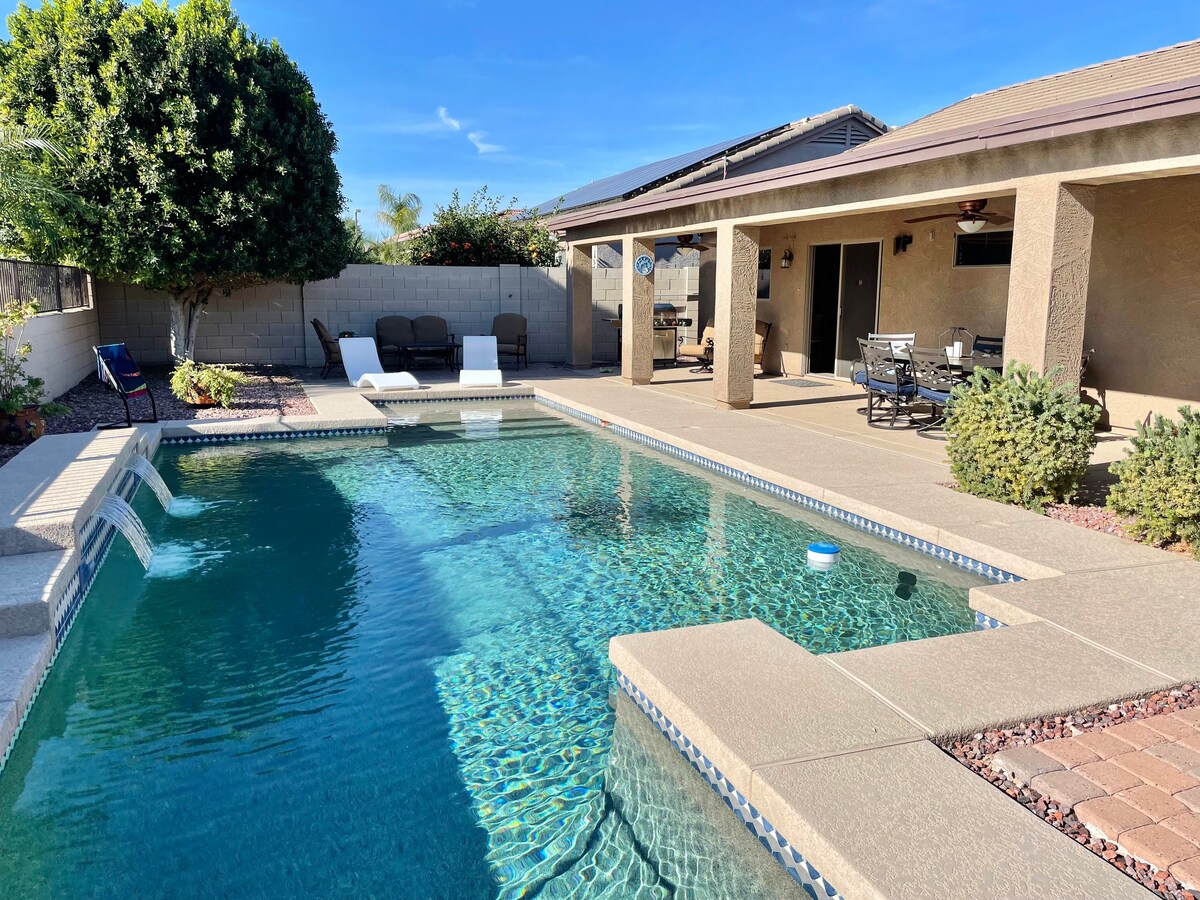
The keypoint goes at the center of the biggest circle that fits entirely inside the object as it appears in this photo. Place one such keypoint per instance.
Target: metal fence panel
(55, 288)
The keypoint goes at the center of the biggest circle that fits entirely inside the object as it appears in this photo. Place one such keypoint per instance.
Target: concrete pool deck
(832, 750)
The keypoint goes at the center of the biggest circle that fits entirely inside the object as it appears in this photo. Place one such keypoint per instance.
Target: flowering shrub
(482, 232)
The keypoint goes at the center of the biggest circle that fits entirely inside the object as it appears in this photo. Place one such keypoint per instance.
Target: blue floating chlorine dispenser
(823, 557)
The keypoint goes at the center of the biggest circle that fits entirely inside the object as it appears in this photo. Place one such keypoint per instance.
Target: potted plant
(22, 397)
(202, 384)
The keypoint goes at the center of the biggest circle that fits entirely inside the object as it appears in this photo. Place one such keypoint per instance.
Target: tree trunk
(186, 309)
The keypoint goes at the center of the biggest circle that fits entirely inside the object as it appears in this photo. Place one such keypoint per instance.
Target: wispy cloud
(477, 138)
(449, 121)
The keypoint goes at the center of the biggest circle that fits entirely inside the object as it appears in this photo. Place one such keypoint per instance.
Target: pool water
(377, 667)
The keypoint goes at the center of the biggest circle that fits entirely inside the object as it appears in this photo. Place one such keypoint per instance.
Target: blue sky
(536, 98)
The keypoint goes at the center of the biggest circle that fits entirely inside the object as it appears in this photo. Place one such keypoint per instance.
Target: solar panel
(619, 185)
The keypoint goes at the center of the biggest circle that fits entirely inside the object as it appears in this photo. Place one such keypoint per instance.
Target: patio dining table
(968, 364)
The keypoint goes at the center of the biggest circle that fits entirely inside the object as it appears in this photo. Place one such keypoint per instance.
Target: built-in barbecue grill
(667, 323)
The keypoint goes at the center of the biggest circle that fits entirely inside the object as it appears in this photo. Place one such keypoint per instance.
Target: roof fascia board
(1148, 104)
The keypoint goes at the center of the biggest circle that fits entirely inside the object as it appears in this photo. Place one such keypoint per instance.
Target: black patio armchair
(395, 333)
(329, 346)
(889, 384)
(935, 380)
(511, 331)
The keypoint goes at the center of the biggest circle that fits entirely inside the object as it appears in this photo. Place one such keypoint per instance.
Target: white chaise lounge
(481, 367)
(363, 368)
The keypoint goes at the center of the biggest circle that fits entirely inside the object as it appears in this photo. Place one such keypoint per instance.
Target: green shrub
(191, 382)
(1018, 437)
(1159, 481)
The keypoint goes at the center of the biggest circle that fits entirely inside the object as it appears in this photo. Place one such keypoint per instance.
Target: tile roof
(1101, 79)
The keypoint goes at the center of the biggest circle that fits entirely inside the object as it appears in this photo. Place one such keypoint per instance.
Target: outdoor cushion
(888, 387)
(430, 330)
(394, 331)
(860, 376)
(507, 348)
(939, 397)
(508, 329)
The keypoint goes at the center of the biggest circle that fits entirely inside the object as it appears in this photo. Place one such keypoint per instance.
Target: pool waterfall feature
(144, 469)
(116, 512)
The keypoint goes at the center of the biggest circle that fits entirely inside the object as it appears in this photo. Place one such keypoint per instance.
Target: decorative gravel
(976, 754)
(269, 391)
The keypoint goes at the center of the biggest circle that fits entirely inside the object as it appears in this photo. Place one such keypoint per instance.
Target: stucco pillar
(637, 320)
(737, 300)
(579, 305)
(1048, 280)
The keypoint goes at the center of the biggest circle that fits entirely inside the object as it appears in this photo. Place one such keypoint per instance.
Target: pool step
(31, 585)
(23, 662)
(48, 490)
(843, 789)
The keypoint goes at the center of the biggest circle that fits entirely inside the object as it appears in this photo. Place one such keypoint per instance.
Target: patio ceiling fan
(687, 242)
(970, 216)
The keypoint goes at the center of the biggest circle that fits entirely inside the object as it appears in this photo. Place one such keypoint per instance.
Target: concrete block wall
(62, 348)
(270, 323)
(258, 325)
(671, 285)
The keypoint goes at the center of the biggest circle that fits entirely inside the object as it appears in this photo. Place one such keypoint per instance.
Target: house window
(987, 248)
(764, 274)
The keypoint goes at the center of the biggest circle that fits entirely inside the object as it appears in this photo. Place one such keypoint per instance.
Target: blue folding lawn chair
(116, 368)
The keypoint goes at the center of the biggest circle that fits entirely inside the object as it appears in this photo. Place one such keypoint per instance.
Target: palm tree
(29, 161)
(398, 213)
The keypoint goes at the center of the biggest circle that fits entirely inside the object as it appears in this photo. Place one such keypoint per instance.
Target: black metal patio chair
(329, 346)
(889, 385)
(935, 379)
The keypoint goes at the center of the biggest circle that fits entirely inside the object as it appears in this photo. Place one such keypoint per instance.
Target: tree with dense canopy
(200, 154)
(482, 232)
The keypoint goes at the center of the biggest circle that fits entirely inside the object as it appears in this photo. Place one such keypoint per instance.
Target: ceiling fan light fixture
(972, 225)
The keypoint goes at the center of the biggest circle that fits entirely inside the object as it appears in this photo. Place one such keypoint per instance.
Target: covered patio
(1090, 214)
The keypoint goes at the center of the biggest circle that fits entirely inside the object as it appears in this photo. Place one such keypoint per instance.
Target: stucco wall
(62, 348)
(270, 323)
(1143, 306)
(920, 290)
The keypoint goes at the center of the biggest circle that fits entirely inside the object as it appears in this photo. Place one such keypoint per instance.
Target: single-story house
(1070, 224)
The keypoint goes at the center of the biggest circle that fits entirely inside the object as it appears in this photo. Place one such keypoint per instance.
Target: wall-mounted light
(785, 261)
(901, 243)
(970, 226)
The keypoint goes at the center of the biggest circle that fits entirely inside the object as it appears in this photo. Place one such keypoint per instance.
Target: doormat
(803, 382)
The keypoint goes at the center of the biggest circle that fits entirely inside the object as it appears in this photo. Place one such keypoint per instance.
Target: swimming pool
(377, 666)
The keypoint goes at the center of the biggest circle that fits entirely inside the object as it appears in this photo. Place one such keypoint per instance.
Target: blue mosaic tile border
(895, 535)
(804, 872)
(469, 399)
(987, 623)
(274, 435)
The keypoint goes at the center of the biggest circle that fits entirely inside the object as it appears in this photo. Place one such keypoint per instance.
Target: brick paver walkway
(1136, 784)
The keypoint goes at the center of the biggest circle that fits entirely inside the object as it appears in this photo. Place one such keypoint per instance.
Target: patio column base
(731, 404)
